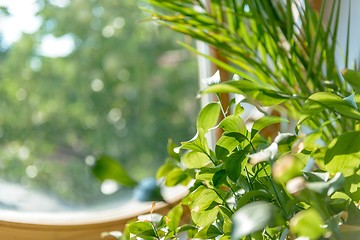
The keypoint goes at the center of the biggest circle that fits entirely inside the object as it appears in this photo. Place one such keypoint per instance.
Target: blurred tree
(124, 89)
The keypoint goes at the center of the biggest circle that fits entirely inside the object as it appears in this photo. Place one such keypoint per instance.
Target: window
(81, 79)
(97, 85)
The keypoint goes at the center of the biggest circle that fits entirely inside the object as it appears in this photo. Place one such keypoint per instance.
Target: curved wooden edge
(79, 225)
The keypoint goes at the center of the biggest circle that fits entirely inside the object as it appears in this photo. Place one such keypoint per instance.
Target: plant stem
(275, 192)
(224, 201)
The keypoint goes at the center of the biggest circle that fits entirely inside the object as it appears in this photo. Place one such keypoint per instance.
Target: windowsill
(78, 224)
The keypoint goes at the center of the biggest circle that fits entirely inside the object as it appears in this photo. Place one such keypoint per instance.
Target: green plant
(248, 186)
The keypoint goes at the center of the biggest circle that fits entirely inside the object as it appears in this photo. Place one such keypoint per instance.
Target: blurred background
(80, 79)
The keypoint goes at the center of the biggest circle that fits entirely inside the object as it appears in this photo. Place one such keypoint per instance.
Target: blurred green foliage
(123, 90)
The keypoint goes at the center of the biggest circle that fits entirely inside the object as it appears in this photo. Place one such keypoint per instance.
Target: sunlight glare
(56, 47)
(21, 20)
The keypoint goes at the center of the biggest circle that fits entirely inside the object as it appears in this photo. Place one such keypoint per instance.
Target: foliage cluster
(303, 183)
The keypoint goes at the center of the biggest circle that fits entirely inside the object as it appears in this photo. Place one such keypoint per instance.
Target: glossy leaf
(186, 228)
(208, 232)
(264, 95)
(224, 146)
(351, 100)
(343, 154)
(194, 159)
(142, 229)
(208, 116)
(239, 137)
(219, 177)
(251, 218)
(234, 164)
(198, 143)
(268, 97)
(250, 195)
(205, 174)
(352, 77)
(174, 217)
(352, 186)
(238, 110)
(222, 88)
(320, 101)
(175, 177)
(233, 124)
(107, 168)
(265, 122)
(173, 150)
(205, 218)
(203, 199)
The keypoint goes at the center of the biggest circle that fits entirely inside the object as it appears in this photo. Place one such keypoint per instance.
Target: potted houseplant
(300, 184)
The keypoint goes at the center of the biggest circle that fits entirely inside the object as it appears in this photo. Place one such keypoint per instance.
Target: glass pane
(86, 78)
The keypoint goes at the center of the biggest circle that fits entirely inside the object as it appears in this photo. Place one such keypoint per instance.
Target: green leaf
(234, 164)
(343, 154)
(320, 101)
(205, 218)
(224, 146)
(269, 97)
(205, 174)
(265, 96)
(209, 232)
(164, 170)
(251, 218)
(233, 124)
(307, 223)
(219, 177)
(351, 100)
(175, 177)
(195, 160)
(311, 140)
(208, 116)
(239, 137)
(238, 110)
(174, 217)
(226, 223)
(107, 168)
(198, 143)
(222, 88)
(352, 186)
(142, 229)
(352, 77)
(202, 199)
(186, 228)
(172, 150)
(264, 122)
(254, 194)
